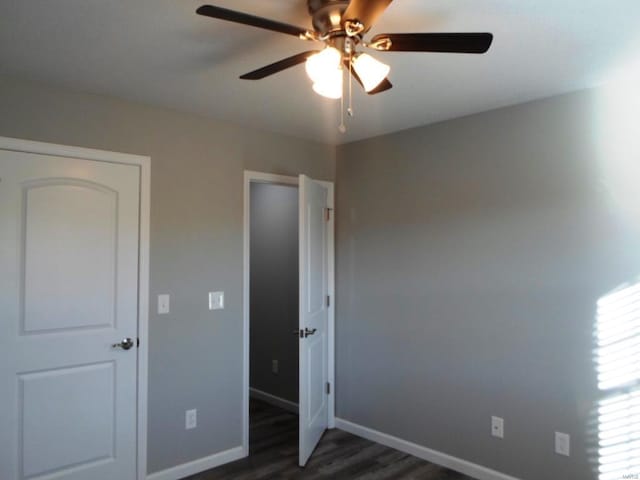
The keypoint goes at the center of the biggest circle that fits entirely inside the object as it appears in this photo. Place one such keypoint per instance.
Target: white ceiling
(160, 52)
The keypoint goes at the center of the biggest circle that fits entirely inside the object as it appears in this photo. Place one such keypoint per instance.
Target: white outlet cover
(190, 419)
(563, 444)
(216, 300)
(163, 304)
(497, 427)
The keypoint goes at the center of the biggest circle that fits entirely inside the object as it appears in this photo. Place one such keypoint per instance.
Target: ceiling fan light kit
(330, 88)
(319, 65)
(341, 26)
(330, 83)
(371, 71)
(325, 71)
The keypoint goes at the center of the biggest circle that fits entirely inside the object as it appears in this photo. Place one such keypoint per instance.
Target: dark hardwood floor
(274, 455)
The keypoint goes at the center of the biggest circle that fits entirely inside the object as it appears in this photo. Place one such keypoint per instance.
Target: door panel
(313, 316)
(62, 261)
(88, 426)
(316, 359)
(68, 291)
(316, 251)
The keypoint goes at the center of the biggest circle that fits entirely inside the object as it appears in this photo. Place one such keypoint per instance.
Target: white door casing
(314, 315)
(69, 247)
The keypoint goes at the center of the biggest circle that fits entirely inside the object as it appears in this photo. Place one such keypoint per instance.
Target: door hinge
(328, 388)
(138, 343)
(327, 213)
(328, 300)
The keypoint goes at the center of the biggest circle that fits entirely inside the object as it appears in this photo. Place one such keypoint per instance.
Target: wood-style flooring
(273, 455)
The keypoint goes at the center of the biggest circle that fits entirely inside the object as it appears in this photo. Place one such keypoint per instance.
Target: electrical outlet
(563, 444)
(275, 368)
(497, 427)
(190, 419)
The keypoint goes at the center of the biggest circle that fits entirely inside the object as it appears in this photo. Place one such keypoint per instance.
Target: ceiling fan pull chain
(342, 128)
(349, 51)
(350, 109)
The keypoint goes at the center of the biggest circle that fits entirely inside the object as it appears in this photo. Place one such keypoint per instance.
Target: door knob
(125, 344)
(305, 333)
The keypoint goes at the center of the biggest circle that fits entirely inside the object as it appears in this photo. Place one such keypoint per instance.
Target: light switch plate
(163, 304)
(563, 444)
(216, 300)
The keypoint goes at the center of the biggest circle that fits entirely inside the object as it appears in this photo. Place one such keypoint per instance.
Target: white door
(68, 292)
(313, 400)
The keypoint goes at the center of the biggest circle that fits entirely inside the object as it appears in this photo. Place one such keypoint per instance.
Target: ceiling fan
(341, 25)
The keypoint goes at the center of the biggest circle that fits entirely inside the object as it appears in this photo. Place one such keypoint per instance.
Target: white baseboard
(468, 468)
(200, 465)
(273, 400)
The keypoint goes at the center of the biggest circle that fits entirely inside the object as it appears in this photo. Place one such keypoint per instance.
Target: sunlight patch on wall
(618, 141)
(618, 367)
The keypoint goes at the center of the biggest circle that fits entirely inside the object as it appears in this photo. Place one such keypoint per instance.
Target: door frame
(144, 163)
(259, 177)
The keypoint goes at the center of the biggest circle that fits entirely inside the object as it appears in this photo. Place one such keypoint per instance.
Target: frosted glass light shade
(321, 64)
(371, 71)
(331, 85)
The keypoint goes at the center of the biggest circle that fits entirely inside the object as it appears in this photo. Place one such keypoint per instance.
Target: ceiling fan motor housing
(327, 15)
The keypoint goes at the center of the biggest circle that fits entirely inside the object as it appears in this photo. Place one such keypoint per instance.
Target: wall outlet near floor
(275, 367)
(190, 419)
(563, 444)
(497, 427)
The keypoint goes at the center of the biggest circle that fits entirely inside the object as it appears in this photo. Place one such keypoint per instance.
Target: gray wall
(196, 243)
(471, 255)
(274, 289)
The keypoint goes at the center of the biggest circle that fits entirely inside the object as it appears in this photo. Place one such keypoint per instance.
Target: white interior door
(68, 291)
(313, 399)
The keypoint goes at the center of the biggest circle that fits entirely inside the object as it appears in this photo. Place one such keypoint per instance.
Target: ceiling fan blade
(366, 12)
(383, 87)
(246, 19)
(433, 42)
(278, 66)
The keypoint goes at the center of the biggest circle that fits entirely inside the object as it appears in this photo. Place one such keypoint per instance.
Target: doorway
(273, 295)
(277, 334)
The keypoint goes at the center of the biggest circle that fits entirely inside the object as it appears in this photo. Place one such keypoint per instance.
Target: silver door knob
(125, 344)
